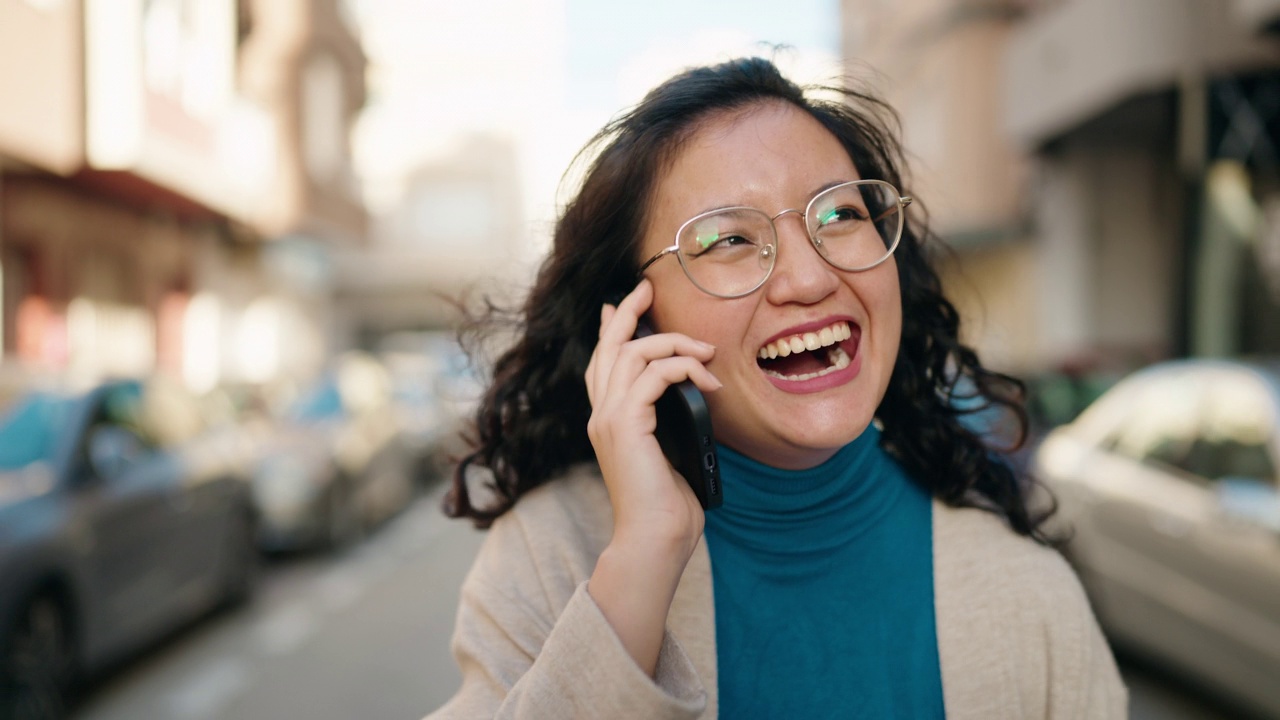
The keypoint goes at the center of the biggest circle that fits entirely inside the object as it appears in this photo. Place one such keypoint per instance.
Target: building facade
(938, 63)
(155, 185)
(1107, 171)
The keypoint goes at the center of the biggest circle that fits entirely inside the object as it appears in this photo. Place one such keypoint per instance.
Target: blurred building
(938, 63)
(1106, 171)
(458, 229)
(173, 175)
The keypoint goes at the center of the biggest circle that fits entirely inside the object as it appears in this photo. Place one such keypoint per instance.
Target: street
(360, 634)
(365, 634)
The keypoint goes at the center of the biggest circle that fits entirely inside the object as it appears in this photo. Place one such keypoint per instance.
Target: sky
(544, 75)
(608, 40)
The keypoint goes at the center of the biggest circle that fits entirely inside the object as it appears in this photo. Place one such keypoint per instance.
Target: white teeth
(827, 336)
(838, 358)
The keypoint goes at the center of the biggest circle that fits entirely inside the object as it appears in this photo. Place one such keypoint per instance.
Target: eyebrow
(822, 188)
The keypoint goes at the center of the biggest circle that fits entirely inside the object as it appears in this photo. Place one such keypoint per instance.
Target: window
(1236, 426)
(1208, 425)
(1161, 425)
(324, 119)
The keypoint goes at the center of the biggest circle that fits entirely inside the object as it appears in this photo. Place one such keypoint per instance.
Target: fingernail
(706, 345)
(718, 383)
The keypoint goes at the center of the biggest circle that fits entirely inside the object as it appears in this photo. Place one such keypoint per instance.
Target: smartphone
(684, 433)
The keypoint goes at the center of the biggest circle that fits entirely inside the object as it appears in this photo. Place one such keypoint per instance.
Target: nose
(800, 274)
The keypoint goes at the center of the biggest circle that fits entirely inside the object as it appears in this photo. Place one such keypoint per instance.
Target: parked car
(1170, 483)
(336, 464)
(436, 391)
(120, 520)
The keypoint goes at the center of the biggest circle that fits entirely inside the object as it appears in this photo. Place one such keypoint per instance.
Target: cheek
(882, 297)
(893, 304)
(682, 308)
(666, 312)
(890, 311)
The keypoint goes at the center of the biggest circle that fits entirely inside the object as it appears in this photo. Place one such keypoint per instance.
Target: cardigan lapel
(972, 652)
(692, 621)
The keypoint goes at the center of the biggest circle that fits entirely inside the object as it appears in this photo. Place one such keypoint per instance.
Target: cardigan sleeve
(1084, 681)
(531, 643)
(1017, 637)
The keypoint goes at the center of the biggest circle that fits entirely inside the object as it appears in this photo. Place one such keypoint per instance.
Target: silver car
(336, 464)
(1169, 482)
(120, 520)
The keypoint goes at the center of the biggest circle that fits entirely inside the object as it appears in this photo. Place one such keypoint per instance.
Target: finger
(619, 329)
(623, 318)
(635, 356)
(662, 374)
(606, 312)
(637, 403)
(589, 378)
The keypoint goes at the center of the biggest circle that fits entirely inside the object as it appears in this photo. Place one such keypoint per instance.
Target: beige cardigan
(1016, 636)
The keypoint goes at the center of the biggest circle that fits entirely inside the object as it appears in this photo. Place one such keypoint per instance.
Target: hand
(652, 503)
(657, 518)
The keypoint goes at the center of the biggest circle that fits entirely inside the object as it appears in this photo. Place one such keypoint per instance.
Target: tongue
(810, 361)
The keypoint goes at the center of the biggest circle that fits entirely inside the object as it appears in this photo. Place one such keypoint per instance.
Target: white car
(1169, 483)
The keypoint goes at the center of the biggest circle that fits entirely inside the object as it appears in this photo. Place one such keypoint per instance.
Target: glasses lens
(728, 252)
(856, 226)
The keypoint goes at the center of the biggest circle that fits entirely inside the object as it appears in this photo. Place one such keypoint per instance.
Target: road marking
(205, 692)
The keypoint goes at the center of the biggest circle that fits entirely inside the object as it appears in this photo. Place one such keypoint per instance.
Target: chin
(799, 445)
(828, 439)
(793, 431)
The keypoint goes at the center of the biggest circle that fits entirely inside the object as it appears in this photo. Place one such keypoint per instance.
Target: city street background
(235, 236)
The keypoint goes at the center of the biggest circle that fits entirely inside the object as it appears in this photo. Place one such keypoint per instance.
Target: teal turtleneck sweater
(823, 583)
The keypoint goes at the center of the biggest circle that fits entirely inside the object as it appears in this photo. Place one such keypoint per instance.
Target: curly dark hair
(532, 421)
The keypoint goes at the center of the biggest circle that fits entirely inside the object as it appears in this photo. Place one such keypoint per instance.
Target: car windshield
(323, 402)
(29, 432)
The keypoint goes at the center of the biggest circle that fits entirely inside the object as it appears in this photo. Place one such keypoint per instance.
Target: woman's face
(773, 156)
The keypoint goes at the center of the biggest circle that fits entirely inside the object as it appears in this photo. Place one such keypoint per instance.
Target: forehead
(770, 156)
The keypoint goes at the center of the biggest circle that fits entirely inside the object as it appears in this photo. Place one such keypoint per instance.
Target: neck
(829, 503)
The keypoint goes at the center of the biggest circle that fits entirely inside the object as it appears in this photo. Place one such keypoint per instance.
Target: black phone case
(684, 433)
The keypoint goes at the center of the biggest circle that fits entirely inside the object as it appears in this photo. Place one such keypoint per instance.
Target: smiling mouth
(808, 355)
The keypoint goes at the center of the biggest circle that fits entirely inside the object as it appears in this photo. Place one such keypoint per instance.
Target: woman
(872, 558)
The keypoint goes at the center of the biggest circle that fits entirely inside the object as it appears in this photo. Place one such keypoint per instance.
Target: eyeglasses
(731, 252)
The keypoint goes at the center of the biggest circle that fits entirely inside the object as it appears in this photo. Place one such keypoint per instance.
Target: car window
(122, 405)
(30, 432)
(1236, 427)
(1160, 425)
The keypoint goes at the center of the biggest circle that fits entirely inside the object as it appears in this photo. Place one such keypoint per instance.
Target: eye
(714, 241)
(841, 213)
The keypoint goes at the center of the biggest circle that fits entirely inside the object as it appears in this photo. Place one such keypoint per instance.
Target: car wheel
(343, 523)
(35, 667)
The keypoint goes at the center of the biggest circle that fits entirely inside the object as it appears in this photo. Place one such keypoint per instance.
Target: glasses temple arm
(903, 202)
(655, 259)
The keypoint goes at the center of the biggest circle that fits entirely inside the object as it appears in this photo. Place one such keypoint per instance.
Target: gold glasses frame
(770, 250)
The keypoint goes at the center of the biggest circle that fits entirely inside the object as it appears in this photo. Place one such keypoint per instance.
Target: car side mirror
(113, 450)
(1250, 500)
